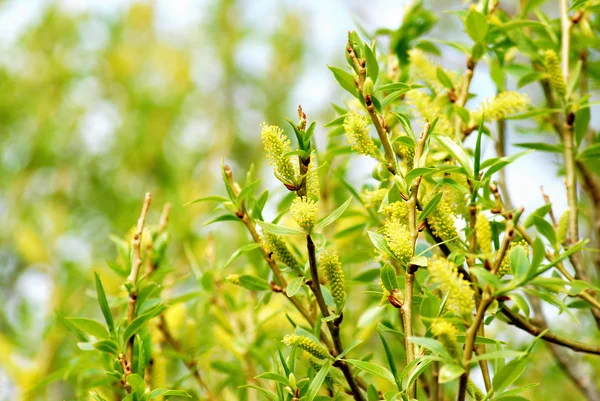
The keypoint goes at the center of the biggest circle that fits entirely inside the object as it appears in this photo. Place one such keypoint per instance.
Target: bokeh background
(103, 100)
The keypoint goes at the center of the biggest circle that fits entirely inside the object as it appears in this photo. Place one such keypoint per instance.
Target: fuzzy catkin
(313, 187)
(501, 106)
(483, 230)
(397, 238)
(372, 199)
(460, 293)
(308, 345)
(276, 146)
(159, 371)
(442, 221)
(331, 266)
(555, 76)
(446, 334)
(304, 213)
(356, 127)
(563, 226)
(396, 210)
(233, 279)
(277, 247)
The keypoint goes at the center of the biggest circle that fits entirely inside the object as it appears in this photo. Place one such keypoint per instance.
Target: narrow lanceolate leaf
(138, 323)
(166, 392)
(346, 80)
(239, 251)
(254, 283)
(457, 152)
(294, 286)
(388, 277)
(390, 359)
(90, 326)
(107, 346)
(333, 216)
(373, 368)
(503, 162)
(316, 383)
(104, 303)
(214, 198)
(430, 207)
(279, 230)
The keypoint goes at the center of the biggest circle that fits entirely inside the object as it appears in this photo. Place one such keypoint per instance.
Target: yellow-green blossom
(276, 146)
(422, 68)
(429, 108)
(446, 334)
(441, 221)
(372, 199)
(555, 76)
(304, 213)
(502, 106)
(505, 265)
(312, 178)
(397, 238)
(331, 266)
(460, 294)
(277, 247)
(483, 230)
(396, 210)
(159, 371)
(233, 279)
(356, 127)
(308, 345)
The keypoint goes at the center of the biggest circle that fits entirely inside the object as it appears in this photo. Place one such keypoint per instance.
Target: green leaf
(267, 393)
(457, 151)
(582, 122)
(477, 161)
(432, 345)
(166, 392)
(539, 212)
(373, 368)
(254, 283)
(279, 230)
(90, 326)
(509, 373)
(239, 251)
(503, 162)
(247, 190)
(541, 146)
(138, 323)
(390, 359)
(577, 4)
(430, 206)
(104, 303)
(416, 368)
(97, 396)
(274, 377)
(294, 286)
(498, 354)
(449, 373)
(486, 277)
(346, 80)
(214, 198)
(545, 228)
(224, 217)
(316, 383)
(379, 241)
(476, 25)
(417, 172)
(107, 346)
(444, 78)
(372, 65)
(388, 277)
(591, 152)
(138, 384)
(333, 216)
(519, 264)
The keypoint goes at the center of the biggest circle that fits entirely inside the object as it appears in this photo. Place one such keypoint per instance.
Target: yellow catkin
(505, 265)
(313, 187)
(501, 106)
(446, 334)
(304, 213)
(563, 226)
(441, 221)
(395, 210)
(233, 279)
(407, 154)
(460, 293)
(331, 266)
(316, 366)
(555, 76)
(356, 127)
(277, 247)
(483, 230)
(474, 391)
(397, 238)
(159, 371)
(308, 345)
(424, 69)
(429, 109)
(276, 146)
(372, 199)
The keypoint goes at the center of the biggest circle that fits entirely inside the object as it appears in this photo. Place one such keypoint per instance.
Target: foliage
(398, 287)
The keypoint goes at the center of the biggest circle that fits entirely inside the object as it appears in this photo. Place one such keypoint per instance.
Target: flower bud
(555, 76)
(357, 134)
(331, 266)
(381, 172)
(460, 293)
(277, 247)
(276, 146)
(233, 279)
(563, 225)
(368, 86)
(304, 213)
(308, 345)
(292, 380)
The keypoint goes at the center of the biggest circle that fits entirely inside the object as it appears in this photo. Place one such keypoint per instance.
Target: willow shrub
(384, 289)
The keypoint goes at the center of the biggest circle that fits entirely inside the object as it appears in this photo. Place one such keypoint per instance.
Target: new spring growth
(304, 213)
(505, 265)
(460, 294)
(277, 247)
(483, 231)
(368, 86)
(442, 221)
(308, 345)
(356, 127)
(277, 145)
(563, 225)
(313, 187)
(331, 266)
(502, 106)
(372, 199)
(446, 334)
(555, 76)
(397, 238)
